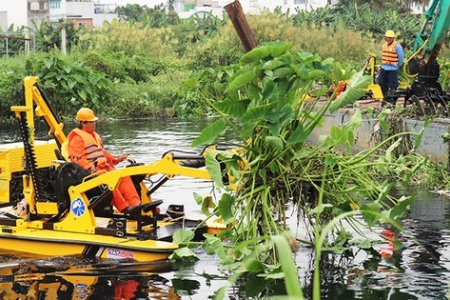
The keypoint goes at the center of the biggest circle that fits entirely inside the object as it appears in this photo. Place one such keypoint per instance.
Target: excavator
(426, 91)
(49, 207)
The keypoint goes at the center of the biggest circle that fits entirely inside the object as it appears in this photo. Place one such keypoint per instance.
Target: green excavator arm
(429, 43)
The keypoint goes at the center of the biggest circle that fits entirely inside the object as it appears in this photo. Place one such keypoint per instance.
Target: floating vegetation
(272, 107)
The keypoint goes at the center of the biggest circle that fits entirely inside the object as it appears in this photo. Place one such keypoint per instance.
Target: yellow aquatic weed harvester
(48, 206)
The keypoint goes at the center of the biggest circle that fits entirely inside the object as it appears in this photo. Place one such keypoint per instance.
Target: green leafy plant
(70, 85)
(272, 108)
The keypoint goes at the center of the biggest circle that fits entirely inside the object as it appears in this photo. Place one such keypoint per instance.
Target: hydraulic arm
(426, 92)
(427, 44)
(35, 103)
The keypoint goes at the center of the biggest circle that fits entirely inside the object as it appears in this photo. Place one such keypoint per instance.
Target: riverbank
(367, 136)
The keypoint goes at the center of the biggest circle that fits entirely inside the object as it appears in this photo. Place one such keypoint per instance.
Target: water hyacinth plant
(272, 107)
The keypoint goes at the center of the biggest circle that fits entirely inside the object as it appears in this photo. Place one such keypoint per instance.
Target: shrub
(144, 100)
(11, 83)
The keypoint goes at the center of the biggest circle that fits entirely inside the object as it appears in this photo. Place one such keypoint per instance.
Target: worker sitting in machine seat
(85, 147)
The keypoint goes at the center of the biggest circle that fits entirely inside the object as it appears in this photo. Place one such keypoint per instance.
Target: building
(187, 8)
(13, 12)
(92, 13)
(82, 12)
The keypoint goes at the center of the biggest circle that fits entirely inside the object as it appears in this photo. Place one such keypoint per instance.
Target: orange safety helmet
(85, 114)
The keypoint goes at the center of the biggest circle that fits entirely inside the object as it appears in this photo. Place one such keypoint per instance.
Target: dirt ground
(375, 103)
(371, 103)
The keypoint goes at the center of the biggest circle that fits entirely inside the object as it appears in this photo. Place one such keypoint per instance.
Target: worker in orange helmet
(85, 148)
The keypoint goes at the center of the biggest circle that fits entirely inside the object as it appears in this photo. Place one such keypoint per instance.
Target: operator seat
(65, 150)
(100, 198)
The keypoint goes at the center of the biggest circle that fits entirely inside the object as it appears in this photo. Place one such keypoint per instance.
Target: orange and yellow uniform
(87, 150)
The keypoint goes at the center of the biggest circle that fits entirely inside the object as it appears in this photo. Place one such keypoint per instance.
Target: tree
(171, 5)
(156, 17)
(382, 5)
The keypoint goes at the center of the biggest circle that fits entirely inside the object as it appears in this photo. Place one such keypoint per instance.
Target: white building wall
(3, 21)
(16, 12)
(82, 9)
(57, 11)
(101, 17)
(257, 6)
(252, 6)
(104, 12)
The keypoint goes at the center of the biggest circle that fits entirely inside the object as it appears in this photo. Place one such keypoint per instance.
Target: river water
(419, 271)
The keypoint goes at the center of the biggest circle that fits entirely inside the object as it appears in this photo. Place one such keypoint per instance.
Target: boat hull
(57, 243)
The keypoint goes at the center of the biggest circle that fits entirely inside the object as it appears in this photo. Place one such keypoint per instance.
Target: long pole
(237, 17)
(63, 40)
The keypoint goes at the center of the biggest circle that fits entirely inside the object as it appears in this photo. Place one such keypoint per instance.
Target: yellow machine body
(12, 160)
(48, 225)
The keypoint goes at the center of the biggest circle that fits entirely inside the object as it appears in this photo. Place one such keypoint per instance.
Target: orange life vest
(92, 144)
(389, 56)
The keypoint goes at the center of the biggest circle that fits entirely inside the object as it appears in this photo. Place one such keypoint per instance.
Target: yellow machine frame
(85, 222)
(79, 222)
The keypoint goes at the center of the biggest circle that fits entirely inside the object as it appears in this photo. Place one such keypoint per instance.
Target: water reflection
(420, 271)
(23, 277)
(48, 279)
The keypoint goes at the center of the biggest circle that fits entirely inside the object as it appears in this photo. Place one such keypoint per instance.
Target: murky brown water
(420, 271)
